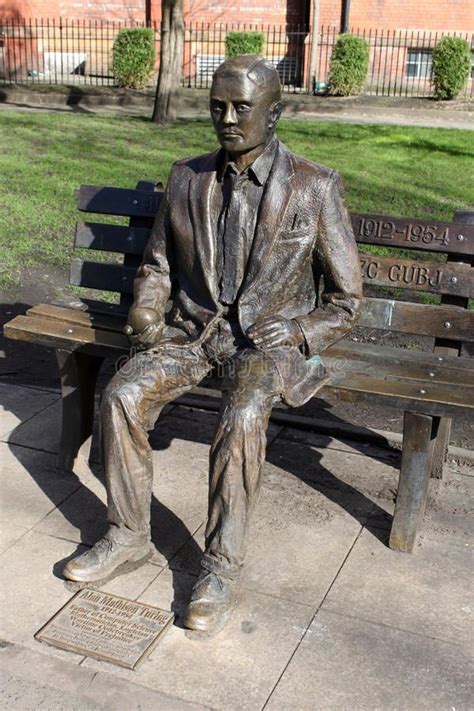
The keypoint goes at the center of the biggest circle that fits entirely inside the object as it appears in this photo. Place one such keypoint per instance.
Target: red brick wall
(116, 10)
(380, 14)
(413, 14)
(255, 12)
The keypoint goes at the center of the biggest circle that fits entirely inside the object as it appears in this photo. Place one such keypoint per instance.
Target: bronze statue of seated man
(240, 242)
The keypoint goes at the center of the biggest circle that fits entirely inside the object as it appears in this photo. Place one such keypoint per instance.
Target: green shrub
(133, 57)
(451, 67)
(243, 43)
(349, 65)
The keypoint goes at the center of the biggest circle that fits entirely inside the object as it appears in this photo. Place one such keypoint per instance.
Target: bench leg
(440, 446)
(78, 373)
(415, 472)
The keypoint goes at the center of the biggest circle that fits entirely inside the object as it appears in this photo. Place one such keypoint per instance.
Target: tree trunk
(171, 57)
(314, 45)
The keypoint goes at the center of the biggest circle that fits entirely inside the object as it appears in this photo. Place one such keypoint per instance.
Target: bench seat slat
(453, 322)
(60, 334)
(387, 363)
(346, 392)
(118, 201)
(78, 317)
(111, 238)
(347, 356)
(100, 275)
(411, 395)
(417, 275)
(414, 233)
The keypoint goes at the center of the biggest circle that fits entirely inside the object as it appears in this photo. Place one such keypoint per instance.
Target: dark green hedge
(349, 66)
(133, 57)
(451, 67)
(244, 43)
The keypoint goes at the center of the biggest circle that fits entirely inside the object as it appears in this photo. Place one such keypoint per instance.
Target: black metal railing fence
(79, 52)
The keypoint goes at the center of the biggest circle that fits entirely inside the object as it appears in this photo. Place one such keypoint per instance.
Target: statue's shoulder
(307, 169)
(195, 164)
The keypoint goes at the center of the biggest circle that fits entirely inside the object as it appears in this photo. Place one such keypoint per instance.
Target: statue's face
(242, 114)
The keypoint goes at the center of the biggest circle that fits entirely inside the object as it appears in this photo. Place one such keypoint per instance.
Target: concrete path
(195, 104)
(330, 618)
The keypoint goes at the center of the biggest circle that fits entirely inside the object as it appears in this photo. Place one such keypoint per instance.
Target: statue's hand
(275, 331)
(144, 327)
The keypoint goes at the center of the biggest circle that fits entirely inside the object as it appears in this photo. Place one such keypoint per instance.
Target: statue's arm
(336, 258)
(152, 285)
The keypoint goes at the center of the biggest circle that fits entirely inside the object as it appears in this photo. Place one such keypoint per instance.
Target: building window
(419, 63)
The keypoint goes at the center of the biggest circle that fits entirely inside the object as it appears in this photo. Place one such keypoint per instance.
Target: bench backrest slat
(103, 276)
(111, 238)
(406, 233)
(451, 322)
(118, 201)
(432, 277)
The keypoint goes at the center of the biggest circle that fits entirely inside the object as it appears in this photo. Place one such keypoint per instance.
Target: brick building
(443, 15)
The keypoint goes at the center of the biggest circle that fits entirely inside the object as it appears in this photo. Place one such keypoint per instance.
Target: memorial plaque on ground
(106, 627)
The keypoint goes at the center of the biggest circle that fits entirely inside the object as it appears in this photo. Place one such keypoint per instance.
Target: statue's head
(245, 102)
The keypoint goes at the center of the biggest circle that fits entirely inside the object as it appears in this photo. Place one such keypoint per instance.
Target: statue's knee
(120, 395)
(243, 412)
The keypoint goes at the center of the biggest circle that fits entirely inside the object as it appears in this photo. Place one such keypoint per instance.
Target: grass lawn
(44, 157)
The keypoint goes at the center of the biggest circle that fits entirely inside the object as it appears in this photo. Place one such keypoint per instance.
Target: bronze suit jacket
(303, 233)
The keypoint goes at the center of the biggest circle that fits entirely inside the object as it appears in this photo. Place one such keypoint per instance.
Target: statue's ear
(275, 113)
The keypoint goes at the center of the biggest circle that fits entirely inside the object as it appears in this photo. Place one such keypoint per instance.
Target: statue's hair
(256, 68)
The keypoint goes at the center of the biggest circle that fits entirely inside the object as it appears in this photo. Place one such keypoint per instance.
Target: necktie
(231, 276)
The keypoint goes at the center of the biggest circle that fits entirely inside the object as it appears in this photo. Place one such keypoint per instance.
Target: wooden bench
(430, 388)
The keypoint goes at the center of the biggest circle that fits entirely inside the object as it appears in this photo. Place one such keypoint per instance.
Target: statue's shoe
(104, 558)
(212, 601)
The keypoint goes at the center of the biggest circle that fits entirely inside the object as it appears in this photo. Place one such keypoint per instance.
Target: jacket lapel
(273, 207)
(201, 187)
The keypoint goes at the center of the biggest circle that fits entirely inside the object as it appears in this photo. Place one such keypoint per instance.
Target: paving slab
(205, 422)
(119, 695)
(41, 431)
(347, 664)
(179, 504)
(131, 585)
(10, 534)
(33, 680)
(298, 542)
(38, 665)
(31, 487)
(237, 668)
(298, 539)
(18, 404)
(30, 591)
(363, 487)
(17, 693)
(81, 518)
(325, 441)
(449, 513)
(181, 465)
(430, 591)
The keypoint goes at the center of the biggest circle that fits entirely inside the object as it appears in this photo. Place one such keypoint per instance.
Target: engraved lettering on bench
(376, 228)
(411, 232)
(411, 274)
(370, 268)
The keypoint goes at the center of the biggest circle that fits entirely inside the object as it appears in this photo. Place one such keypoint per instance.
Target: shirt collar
(259, 169)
